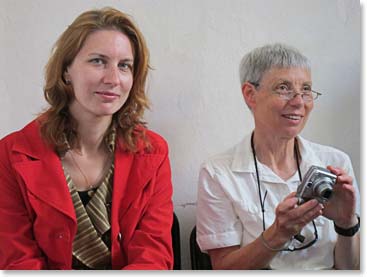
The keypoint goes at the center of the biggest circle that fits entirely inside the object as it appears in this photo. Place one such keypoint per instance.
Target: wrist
(273, 238)
(347, 232)
(346, 224)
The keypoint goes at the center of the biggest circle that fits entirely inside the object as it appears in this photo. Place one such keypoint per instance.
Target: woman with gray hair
(250, 214)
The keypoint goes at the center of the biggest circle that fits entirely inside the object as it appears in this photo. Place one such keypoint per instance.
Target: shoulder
(16, 136)
(220, 162)
(158, 143)
(10, 141)
(6, 144)
(145, 142)
(325, 153)
(25, 141)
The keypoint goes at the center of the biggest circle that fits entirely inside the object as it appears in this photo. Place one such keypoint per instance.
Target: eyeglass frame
(292, 94)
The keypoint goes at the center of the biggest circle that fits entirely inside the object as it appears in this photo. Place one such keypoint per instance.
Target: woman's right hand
(290, 218)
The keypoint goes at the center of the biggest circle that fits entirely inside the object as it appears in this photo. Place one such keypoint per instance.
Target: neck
(91, 132)
(276, 152)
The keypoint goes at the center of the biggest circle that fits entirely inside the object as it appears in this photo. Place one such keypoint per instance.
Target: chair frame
(199, 260)
(176, 243)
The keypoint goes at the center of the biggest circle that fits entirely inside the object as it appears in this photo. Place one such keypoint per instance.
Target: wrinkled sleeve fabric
(151, 245)
(18, 248)
(217, 223)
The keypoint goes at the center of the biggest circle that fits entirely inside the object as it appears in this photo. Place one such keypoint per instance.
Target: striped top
(92, 243)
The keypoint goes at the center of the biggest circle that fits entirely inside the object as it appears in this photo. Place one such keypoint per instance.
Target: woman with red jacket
(86, 185)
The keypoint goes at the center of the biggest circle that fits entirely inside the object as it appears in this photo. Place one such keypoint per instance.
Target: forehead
(290, 74)
(109, 42)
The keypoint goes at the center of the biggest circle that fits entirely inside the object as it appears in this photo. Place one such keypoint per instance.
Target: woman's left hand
(341, 207)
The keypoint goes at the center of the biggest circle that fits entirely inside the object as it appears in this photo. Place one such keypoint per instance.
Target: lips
(107, 93)
(293, 116)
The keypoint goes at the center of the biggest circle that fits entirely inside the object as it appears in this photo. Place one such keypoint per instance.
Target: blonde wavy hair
(56, 121)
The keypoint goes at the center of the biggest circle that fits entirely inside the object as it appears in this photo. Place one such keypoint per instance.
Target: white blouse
(229, 210)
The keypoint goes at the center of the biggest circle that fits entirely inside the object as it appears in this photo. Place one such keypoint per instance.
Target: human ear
(66, 77)
(249, 94)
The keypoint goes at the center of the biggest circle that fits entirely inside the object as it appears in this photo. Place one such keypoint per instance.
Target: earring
(66, 77)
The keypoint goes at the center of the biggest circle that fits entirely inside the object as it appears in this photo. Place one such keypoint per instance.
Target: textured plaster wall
(196, 46)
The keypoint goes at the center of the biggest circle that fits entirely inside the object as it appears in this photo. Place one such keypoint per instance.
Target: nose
(297, 100)
(112, 76)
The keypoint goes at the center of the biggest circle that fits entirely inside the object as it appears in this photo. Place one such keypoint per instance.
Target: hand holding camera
(323, 191)
(341, 208)
(317, 184)
(332, 187)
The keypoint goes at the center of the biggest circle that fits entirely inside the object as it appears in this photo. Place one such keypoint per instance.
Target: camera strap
(298, 237)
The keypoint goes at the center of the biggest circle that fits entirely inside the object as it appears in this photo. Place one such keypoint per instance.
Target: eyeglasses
(308, 95)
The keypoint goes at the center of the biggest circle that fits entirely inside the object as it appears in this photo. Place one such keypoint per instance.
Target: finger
(296, 228)
(305, 208)
(313, 213)
(291, 195)
(336, 170)
(302, 220)
(294, 215)
(344, 179)
(287, 204)
(308, 205)
(343, 191)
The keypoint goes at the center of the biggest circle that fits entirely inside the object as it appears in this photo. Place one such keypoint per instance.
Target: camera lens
(323, 188)
(326, 193)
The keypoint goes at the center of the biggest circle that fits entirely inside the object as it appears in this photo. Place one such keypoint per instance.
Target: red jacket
(37, 217)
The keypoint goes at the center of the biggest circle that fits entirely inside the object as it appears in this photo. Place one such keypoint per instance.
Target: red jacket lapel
(132, 174)
(42, 172)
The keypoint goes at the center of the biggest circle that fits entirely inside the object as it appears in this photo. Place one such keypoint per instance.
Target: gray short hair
(255, 63)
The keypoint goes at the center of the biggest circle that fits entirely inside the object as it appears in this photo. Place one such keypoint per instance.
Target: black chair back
(176, 243)
(199, 260)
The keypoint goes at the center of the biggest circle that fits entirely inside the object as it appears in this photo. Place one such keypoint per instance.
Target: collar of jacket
(41, 170)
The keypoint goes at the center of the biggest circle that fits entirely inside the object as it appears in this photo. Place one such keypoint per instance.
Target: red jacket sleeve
(18, 248)
(151, 244)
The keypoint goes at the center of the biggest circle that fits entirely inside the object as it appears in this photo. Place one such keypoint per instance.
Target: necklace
(89, 185)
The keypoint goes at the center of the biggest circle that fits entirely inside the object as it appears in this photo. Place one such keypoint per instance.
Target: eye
(306, 90)
(283, 88)
(126, 66)
(97, 61)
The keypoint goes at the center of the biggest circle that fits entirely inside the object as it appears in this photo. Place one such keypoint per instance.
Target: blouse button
(119, 237)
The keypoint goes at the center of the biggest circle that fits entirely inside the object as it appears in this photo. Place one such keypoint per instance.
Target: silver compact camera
(317, 184)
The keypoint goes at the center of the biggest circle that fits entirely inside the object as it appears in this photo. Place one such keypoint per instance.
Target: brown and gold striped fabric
(93, 219)
(93, 223)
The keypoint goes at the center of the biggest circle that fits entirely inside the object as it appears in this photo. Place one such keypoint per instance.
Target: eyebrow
(279, 81)
(106, 57)
(98, 54)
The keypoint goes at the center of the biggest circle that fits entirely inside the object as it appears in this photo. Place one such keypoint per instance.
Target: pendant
(90, 193)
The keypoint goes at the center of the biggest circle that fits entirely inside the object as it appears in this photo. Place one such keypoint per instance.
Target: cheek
(82, 82)
(125, 97)
(309, 108)
(82, 89)
(128, 83)
(276, 108)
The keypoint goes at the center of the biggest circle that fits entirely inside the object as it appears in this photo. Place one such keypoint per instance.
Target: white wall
(196, 46)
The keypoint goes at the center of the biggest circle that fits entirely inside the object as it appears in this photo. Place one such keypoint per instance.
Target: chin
(291, 134)
(105, 111)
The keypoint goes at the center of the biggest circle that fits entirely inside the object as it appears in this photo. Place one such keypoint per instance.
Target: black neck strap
(262, 201)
